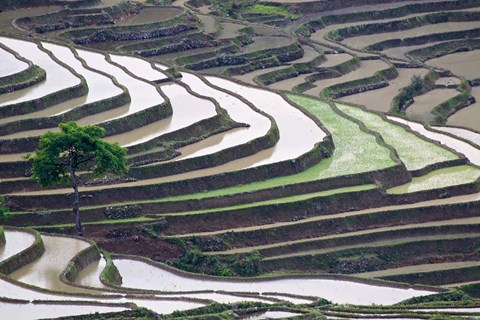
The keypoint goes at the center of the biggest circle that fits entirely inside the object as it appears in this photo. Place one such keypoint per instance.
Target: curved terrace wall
(24, 257)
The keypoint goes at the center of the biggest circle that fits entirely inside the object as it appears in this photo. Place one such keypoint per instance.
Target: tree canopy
(61, 154)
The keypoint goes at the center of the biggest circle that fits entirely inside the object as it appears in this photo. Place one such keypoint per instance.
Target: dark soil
(155, 249)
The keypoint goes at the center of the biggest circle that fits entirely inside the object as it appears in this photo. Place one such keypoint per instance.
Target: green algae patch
(355, 150)
(415, 152)
(441, 178)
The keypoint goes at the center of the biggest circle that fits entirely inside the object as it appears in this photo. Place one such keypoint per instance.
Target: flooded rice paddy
(380, 99)
(367, 69)
(16, 242)
(10, 64)
(99, 86)
(45, 271)
(421, 108)
(138, 274)
(149, 15)
(472, 153)
(335, 59)
(29, 311)
(143, 95)
(468, 116)
(298, 132)
(187, 110)
(62, 80)
(465, 134)
(139, 67)
(239, 111)
(463, 64)
(266, 42)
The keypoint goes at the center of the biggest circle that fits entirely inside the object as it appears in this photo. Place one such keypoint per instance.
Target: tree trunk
(76, 201)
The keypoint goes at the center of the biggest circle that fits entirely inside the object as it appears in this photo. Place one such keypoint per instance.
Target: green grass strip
(280, 200)
(441, 178)
(414, 151)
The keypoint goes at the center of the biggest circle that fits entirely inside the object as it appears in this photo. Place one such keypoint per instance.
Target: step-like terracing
(242, 200)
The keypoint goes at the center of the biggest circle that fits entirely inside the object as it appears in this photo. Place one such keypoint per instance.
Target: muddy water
(380, 99)
(143, 95)
(230, 30)
(99, 86)
(149, 15)
(440, 178)
(90, 276)
(367, 69)
(422, 106)
(10, 64)
(45, 271)
(266, 42)
(288, 84)
(399, 52)
(364, 41)
(41, 311)
(464, 64)
(10, 290)
(308, 55)
(187, 109)
(239, 111)
(139, 67)
(298, 133)
(335, 59)
(472, 153)
(448, 81)
(462, 133)
(141, 275)
(48, 112)
(468, 117)
(16, 242)
(248, 77)
(62, 79)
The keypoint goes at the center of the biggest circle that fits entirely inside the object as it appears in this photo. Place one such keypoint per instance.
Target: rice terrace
(239, 159)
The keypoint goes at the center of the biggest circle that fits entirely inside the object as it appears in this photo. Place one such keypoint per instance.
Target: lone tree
(61, 154)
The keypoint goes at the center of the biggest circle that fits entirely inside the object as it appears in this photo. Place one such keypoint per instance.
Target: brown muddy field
(380, 99)
(465, 64)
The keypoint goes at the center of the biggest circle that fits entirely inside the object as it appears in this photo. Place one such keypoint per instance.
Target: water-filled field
(285, 160)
